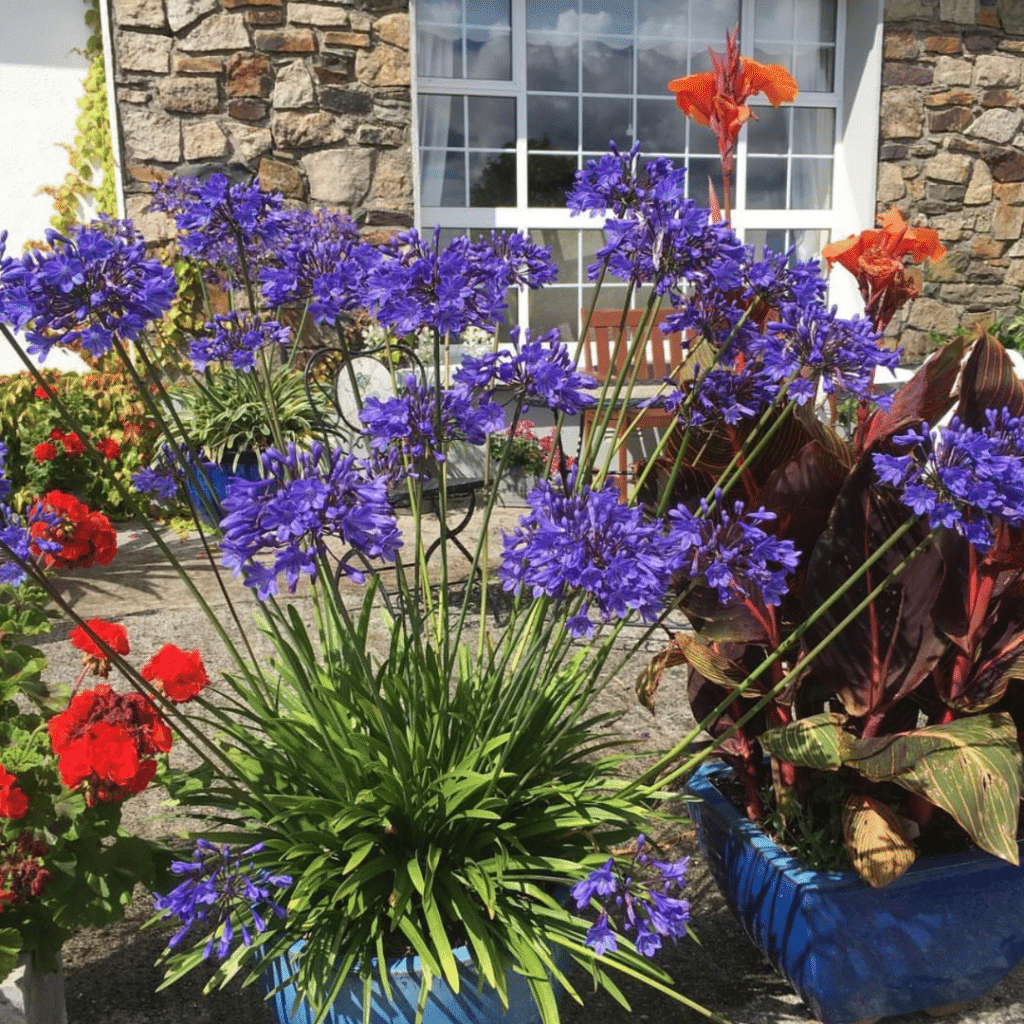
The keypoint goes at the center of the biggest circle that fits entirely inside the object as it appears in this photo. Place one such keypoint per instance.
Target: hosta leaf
(970, 767)
(873, 833)
(813, 742)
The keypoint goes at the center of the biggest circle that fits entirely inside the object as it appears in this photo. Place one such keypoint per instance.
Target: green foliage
(525, 450)
(1010, 333)
(105, 405)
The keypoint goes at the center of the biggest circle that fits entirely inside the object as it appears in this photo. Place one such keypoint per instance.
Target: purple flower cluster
(236, 336)
(516, 260)
(219, 222)
(541, 372)
(90, 287)
(588, 543)
(304, 498)
(647, 908)
(168, 472)
(218, 891)
(961, 477)
(731, 552)
(16, 539)
(655, 235)
(322, 260)
(407, 427)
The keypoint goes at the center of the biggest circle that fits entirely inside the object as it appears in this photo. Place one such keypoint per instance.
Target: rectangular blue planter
(945, 932)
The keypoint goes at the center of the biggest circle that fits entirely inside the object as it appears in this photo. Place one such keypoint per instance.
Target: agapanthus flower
(304, 498)
(236, 336)
(587, 543)
(13, 801)
(646, 906)
(179, 675)
(85, 537)
(106, 741)
(406, 427)
(538, 371)
(519, 261)
(114, 635)
(215, 217)
(221, 892)
(320, 259)
(730, 552)
(960, 477)
(168, 473)
(416, 283)
(94, 285)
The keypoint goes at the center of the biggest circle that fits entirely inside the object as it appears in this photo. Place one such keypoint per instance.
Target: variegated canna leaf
(813, 742)
(874, 836)
(970, 767)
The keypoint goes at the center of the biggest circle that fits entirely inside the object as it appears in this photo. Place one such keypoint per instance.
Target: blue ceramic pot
(247, 467)
(945, 932)
(469, 1006)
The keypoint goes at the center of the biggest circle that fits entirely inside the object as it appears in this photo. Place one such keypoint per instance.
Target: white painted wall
(40, 82)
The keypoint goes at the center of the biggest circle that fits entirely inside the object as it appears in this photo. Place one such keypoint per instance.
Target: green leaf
(709, 663)
(814, 742)
(10, 949)
(970, 767)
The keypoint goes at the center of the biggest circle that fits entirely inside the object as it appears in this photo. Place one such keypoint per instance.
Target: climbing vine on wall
(91, 178)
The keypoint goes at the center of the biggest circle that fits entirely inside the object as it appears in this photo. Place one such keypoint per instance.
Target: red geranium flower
(13, 802)
(112, 634)
(44, 451)
(72, 444)
(56, 434)
(104, 742)
(40, 392)
(108, 448)
(85, 537)
(178, 674)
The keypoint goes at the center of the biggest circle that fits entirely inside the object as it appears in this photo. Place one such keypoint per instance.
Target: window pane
(774, 18)
(713, 19)
(608, 17)
(775, 53)
(813, 68)
(607, 65)
(770, 132)
(492, 179)
(564, 243)
(443, 177)
(812, 183)
(492, 13)
(817, 21)
(552, 64)
(489, 55)
(442, 12)
(814, 130)
(658, 62)
(766, 183)
(662, 19)
(605, 120)
(552, 122)
(441, 121)
(492, 122)
(702, 138)
(612, 296)
(551, 15)
(552, 308)
(660, 126)
(809, 243)
(549, 178)
(697, 179)
(775, 239)
(439, 52)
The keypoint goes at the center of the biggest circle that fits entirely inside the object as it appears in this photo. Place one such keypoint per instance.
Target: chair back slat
(664, 352)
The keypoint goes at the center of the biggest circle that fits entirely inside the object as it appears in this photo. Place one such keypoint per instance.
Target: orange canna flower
(777, 84)
(877, 258)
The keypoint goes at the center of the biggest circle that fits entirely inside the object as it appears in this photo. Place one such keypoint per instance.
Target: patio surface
(110, 974)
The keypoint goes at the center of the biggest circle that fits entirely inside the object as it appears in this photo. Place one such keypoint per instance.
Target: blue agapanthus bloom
(168, 472)
(16, 540)
(304, 498)
(94, 285)
(518, 261)
(539, 371)
(221, 892)
(236, 336)
(645, 906)
(961, 478)
(731, 552)
(588, 543)
(406, 428)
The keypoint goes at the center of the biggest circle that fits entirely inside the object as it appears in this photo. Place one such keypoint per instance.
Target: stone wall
(952, 155)
(315, 97)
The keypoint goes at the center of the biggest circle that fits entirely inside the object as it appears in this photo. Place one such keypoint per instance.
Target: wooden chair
(604, 358)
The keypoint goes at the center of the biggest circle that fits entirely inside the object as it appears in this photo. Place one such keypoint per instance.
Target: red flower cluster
(85, 537)
(40, 392)
(113, 635)
(21, 869)
(44, 452)
(106, 742)
(73, 445)
(13, 802)
(178, 674)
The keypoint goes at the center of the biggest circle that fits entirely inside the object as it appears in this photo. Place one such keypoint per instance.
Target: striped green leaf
(813, 742)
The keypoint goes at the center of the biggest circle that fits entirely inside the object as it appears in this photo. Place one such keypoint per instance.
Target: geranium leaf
(812, 742)
(970, 767)
(873, 834)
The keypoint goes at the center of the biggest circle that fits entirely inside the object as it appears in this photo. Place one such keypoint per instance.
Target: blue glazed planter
(469, 1006)
(945, 932)
(247, 468)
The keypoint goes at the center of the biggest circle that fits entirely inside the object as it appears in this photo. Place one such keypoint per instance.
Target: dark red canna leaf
(988, 382)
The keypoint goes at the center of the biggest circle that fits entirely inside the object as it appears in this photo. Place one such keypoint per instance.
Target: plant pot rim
(702, 785)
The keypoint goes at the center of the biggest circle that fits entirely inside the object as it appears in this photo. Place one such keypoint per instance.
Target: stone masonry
(952, 156)
(314, 97)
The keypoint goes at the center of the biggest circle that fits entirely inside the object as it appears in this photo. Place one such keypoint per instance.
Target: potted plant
(525, 459)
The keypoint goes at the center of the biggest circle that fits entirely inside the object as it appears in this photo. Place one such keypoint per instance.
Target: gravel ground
(110, 973)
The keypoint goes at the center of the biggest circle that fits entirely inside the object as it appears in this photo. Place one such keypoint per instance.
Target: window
(513, 96)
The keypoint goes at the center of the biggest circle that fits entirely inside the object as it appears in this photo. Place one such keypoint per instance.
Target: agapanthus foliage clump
(222, 892)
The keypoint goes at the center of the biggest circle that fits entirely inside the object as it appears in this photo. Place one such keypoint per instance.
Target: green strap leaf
(709, 663)
(814, 742)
